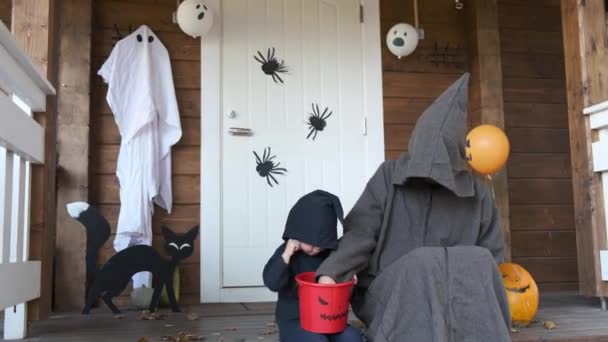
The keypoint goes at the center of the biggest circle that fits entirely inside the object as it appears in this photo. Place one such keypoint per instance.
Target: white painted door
(319, 44)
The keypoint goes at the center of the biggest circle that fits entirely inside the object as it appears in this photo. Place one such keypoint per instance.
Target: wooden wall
(412, 83)
(5, 12)
(105, 139)
(540, 185)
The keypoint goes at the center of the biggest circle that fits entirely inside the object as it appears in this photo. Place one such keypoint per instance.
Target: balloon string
(491, 187)
(416, 13)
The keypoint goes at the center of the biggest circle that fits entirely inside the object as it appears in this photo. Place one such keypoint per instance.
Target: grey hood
(436, 149)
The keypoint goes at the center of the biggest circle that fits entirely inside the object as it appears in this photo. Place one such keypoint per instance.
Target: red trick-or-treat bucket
(323, 307)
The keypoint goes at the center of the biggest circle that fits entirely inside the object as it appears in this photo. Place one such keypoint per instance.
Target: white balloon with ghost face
(402, 39)
(194, 17)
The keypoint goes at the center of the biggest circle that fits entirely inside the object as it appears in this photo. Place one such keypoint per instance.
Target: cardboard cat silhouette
(114, 276)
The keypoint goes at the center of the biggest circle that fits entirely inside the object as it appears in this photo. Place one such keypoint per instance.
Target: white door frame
(211, 150)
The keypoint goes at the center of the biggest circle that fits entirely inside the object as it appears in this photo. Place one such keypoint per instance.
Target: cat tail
(98, 232)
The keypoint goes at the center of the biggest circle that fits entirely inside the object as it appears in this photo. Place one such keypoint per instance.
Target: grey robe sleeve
(361, 229)
(490, 234)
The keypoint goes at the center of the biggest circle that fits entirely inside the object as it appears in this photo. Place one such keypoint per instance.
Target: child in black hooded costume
(310, 235)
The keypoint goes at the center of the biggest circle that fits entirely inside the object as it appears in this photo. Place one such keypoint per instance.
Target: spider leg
(257, 158)
(274, 78)
(275, 169)
(268, 180)
(318, 112)
(274, 179)
(279, 77)
(257, 59)
(325, 111)
(328, 115)
(312, 130)
(271, 158)
(262, 57)
(265, 157)
(315, 136)
(271, 56)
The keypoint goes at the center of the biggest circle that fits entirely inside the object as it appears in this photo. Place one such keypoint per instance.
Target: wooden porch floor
(577, 319)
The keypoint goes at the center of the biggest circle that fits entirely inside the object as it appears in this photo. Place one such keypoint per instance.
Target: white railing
(598, 120)
(22, 90)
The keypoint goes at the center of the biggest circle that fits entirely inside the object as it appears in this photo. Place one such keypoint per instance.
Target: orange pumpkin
(487, 149)
(522, 293)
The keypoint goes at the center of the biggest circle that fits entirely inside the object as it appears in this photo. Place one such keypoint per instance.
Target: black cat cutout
(266, 167)
(271, 65)
(114, 276)
(317, 121)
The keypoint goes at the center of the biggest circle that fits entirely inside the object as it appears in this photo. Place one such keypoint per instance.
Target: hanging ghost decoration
(141, 96)
(194, 18)
(402, 40)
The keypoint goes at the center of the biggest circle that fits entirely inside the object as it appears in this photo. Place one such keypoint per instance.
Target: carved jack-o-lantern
(522, 293)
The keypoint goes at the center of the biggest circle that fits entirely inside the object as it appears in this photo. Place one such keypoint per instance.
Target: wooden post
(586, 56)
(485, 89)
(33, 27)
(73, 148)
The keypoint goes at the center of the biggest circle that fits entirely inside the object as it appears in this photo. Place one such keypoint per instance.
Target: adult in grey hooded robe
(425, 241)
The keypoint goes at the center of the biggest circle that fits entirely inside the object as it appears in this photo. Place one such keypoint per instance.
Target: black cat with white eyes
(114, 276)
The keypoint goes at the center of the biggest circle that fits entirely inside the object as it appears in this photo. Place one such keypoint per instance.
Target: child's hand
(291, 247)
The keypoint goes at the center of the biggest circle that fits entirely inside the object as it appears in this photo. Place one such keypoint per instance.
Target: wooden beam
(73, 148)
(6, 7)
(485, 90)
(585, 49)
(33, 25)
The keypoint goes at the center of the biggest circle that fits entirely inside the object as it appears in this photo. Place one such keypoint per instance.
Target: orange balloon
(522, 293)
(487, 149)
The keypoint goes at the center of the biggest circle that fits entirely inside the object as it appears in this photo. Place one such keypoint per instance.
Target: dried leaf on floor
(270, 331)
(142, 339)
(514, 331)
(192, 316)
(151, 316)
(549, 325)
(119, 316)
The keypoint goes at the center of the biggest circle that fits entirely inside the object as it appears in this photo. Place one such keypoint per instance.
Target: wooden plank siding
(543, 236)
(412, 83)
(6, 7)
(105, 139)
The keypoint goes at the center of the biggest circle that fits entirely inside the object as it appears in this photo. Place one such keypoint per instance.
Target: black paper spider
(316, 120)
(271, 65)
(266, 167)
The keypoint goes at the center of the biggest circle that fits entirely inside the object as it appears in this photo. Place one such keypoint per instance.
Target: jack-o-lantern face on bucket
(334, 314)
(522, 293)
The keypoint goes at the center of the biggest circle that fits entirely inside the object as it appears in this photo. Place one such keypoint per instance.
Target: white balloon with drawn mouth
(402, 39)
(195, 18)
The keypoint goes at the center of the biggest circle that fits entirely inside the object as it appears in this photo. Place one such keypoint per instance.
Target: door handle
(238, 131)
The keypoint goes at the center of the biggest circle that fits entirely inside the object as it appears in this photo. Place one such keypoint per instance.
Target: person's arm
(361, 229)
(276, 272)
(490, 235)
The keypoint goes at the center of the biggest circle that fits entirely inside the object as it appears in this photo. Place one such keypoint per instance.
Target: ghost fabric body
(424, 239)
(312, 220)
(113, 277)
(141, 95)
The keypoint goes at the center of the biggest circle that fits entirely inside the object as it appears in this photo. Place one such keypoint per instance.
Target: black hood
(314, 218)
